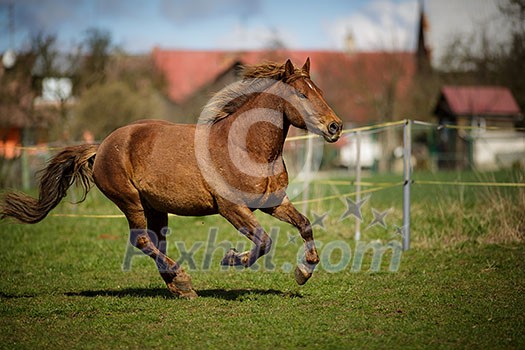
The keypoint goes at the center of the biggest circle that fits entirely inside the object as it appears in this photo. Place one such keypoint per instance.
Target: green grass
(460, 286)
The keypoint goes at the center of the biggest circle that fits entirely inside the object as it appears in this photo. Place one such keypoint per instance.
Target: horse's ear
(306, 66)
(288, 68)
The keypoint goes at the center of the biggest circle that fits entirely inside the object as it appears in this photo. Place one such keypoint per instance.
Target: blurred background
(73, 71)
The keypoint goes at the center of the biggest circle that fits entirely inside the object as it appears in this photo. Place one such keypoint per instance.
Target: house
(480, 127)
(361, 87)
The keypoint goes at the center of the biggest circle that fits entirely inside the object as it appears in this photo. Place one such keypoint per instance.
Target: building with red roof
(492, 102)
(493, 112)
(361, 87)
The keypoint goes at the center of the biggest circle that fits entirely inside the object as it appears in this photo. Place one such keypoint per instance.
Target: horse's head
(306, 107)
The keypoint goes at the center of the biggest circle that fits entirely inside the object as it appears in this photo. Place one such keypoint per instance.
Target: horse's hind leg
(149, 241)
(111, 176)
(288, 213)
(157, 222)
(177, 280)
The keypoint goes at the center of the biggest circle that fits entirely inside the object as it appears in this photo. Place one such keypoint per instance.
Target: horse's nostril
(333, 128)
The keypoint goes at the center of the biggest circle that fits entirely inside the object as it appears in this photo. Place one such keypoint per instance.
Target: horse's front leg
(288, 213)
(243, 219)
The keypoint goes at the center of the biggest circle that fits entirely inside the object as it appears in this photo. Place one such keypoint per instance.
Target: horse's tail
(72, 164)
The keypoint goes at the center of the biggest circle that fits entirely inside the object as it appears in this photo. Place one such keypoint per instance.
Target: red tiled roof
(352, 83)
(480, 100)
(188, 71)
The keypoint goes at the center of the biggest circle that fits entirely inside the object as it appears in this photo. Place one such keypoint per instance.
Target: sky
(139, 25)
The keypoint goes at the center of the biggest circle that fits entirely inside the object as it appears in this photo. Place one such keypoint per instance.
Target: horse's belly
(180, 198)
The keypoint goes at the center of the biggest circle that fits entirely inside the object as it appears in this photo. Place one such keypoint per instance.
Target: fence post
(26, 182)
(307, 173)
(407, 177)
(357, 236)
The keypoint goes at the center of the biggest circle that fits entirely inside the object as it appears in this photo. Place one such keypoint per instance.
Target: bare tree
(116, 88)
(490, 62)
(97, 45)
(44, 46)
(511, 66)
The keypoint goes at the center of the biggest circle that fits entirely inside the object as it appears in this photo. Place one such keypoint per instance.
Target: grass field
(461, 285)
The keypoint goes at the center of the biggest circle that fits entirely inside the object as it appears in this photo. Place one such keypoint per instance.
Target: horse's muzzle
(333, 131)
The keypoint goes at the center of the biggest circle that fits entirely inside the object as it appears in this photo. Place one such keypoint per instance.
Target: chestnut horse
(230, 163)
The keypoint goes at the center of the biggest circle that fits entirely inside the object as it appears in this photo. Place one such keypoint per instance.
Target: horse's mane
(255, 79)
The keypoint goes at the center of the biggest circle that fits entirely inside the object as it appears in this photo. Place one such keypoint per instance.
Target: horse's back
(156, 161)
(152, 121)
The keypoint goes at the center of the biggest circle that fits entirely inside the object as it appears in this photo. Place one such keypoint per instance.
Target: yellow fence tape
(465, 183)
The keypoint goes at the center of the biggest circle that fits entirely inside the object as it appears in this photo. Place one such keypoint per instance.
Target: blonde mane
(255, 79)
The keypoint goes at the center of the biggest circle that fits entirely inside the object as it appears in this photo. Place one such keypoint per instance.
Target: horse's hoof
(181, 286)
(184, 294)
(230, 258)
(301, 274)
(234, 258)
(188, 295)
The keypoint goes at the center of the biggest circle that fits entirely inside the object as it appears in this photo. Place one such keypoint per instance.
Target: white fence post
(357, 236)
(407, 177)
(307, 173)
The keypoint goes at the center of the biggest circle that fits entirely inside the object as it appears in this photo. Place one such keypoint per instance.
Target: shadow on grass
(15, 296)
(232, 294)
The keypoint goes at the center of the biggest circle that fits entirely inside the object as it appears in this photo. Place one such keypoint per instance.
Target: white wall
(496, 149)
(370, 151)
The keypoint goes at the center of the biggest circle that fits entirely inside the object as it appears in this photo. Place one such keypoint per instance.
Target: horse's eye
(300, 94)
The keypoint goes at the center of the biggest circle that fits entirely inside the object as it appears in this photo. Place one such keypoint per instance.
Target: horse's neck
(261, 128)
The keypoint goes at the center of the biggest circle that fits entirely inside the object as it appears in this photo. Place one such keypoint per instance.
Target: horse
(229, 163)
